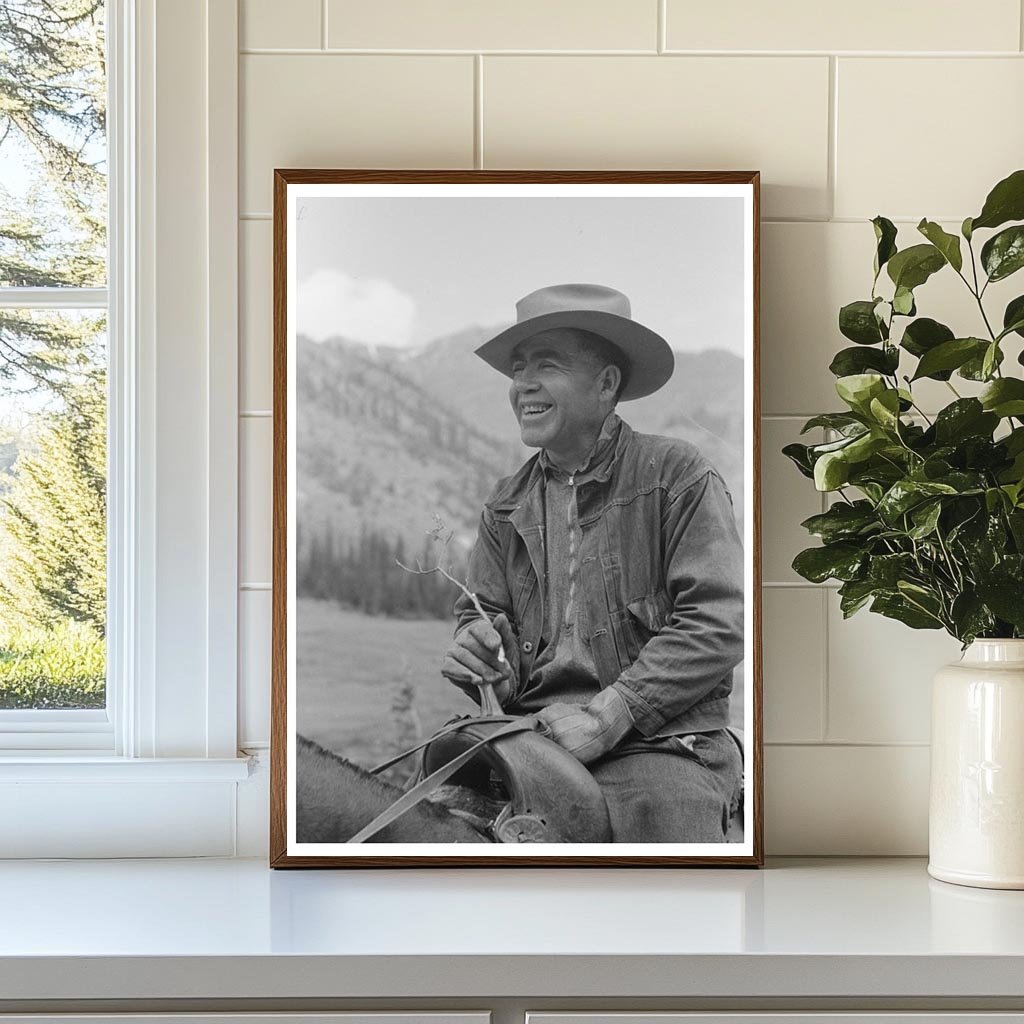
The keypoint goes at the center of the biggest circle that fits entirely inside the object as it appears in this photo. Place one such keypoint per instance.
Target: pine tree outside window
(53, 368)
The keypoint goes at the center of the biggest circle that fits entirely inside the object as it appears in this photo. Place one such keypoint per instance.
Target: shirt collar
(599, 456)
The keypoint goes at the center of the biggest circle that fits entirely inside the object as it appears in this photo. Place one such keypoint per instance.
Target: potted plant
(927, 521)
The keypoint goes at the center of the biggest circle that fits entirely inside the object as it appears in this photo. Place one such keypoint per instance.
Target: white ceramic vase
(976, 814)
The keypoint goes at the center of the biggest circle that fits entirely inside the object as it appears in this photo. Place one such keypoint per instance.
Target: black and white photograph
(516, 565)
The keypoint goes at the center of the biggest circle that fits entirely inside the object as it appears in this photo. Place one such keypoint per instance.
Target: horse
(335, 799)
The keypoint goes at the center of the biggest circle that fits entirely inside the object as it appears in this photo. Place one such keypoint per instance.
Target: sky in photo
(404, 271)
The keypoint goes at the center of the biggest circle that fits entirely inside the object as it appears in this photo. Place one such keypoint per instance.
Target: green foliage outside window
(52, 365)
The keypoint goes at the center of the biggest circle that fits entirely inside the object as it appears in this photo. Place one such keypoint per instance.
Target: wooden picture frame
(355, 437)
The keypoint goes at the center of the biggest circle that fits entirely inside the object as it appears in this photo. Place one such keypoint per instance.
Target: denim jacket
(661, 573)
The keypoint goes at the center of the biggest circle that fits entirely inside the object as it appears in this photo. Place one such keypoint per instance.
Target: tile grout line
(259, 215)
(1020, 24)
(824, 715)
(826, 690)
(662, 42)
(323, 24)
(478, 111)
(846, 744)
(833, 134)
(258, 51)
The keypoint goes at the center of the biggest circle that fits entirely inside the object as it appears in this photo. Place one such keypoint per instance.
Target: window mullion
(53, 298)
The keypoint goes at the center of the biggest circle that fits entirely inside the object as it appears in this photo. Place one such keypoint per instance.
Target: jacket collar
(524, 485)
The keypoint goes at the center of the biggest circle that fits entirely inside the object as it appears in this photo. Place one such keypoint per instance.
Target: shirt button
(528, 646)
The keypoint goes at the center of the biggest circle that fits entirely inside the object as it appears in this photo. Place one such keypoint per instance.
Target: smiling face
(561, 395)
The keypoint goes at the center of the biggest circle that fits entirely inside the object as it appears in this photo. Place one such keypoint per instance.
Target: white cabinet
(786, 1017)
(363, 1017)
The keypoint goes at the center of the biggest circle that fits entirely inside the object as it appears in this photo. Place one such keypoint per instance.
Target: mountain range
(387, 438)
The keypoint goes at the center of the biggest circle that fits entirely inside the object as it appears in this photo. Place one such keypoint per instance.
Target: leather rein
(509, 725)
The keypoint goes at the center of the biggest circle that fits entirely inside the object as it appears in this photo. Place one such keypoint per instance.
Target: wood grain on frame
(279, 664)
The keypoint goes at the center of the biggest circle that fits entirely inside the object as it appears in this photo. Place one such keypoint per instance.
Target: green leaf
(858, 389)
(1003, 254)
(947, 244)
(994, 499)
(885, 236)
(1013, 317)
(887, 570)
(1016, 522)
(990, 361)
(864, 446)
(841, 421)
(925, 518)
(799, 455)
(974, 368)
(1005, 202)
(850, 361)
(885, 409)
(1005, 596)
(897, 607)
(843, 521)
(912, 267)
(1014, 441)
(906, 494)
(903, 302)
(949, 356)
(1004, 397)
(966, 417)
(831, 471)
(970, 617)
(923, 335)
(854, 594)
(857, 321)
(840, 561)
(965, 229)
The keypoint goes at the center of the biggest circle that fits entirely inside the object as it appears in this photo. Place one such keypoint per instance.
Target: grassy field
(369, 687)
(60, 667)
(351, 670)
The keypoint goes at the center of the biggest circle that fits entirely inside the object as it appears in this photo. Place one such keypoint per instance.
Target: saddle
(545, 794)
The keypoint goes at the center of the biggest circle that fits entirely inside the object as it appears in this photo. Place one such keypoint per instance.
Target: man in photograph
(612, 571)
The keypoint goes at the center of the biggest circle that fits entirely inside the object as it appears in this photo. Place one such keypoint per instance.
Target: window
(155, 772)
(53, 372)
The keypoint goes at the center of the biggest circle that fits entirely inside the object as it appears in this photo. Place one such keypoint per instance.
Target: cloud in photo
(368, 310)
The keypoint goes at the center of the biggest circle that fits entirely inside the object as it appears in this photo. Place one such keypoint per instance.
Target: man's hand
(473, 656)
(588, 731)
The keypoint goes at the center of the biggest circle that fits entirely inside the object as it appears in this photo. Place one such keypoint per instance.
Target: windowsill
(822, 928)
(77, 766)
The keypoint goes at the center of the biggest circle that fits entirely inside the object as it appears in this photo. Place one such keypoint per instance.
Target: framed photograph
(516, 561)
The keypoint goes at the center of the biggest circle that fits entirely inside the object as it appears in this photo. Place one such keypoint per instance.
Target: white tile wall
(838, 138)
(971, 110)
(256, 302)
(329, 110)
(868, 25)
(261, 26)
(879, 677)
(256, 438)
(471, 25)
(701, 113)
(794, 663)
(254, 664)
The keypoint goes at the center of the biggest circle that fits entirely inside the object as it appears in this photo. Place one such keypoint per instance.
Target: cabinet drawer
(934, 1017)
(361, 1017)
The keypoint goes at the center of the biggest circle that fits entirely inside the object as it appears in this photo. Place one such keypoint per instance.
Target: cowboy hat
(590, 307)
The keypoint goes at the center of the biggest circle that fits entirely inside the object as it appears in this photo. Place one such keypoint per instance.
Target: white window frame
(157, 773)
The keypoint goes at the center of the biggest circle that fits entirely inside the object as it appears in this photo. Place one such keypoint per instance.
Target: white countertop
(233, 929)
